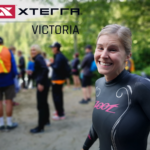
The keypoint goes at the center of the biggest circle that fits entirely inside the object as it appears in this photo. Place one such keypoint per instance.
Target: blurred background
(71, 132)
(134, 14)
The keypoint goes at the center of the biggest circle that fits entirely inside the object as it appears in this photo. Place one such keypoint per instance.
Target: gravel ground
(68, 134)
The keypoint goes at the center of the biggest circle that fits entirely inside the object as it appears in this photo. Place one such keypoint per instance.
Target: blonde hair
(123, 33)
(37, 48)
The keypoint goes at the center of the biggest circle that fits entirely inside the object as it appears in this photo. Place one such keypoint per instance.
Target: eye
(100, 48)
(112, 50)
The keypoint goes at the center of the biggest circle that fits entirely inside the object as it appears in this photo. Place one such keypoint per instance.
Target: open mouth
(104, 64)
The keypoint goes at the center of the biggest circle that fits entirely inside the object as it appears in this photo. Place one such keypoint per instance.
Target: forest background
(134, 14)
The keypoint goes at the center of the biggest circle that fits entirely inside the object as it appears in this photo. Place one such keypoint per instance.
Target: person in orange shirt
(8, 71)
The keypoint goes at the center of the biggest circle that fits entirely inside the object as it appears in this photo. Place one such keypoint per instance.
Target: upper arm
(91, 138)
(142, 92)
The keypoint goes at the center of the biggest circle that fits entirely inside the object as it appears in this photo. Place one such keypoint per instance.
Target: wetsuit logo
(107, 107)
(7, 11)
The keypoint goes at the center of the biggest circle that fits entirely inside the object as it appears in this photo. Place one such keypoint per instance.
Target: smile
(105, 64)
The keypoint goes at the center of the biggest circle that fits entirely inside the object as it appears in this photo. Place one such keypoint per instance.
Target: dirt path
(68, 134)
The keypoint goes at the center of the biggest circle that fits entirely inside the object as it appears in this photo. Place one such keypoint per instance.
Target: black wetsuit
(121, 116)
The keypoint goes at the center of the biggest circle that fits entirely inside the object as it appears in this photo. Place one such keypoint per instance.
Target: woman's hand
(40, 87)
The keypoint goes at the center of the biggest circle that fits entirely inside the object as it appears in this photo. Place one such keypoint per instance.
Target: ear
(128, 56)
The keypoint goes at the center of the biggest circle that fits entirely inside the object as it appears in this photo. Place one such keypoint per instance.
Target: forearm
(91, 138)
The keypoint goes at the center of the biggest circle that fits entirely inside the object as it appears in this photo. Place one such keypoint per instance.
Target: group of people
(8, 72)
(38, 69)
(121, 113)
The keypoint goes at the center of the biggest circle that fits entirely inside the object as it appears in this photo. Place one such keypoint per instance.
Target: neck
(57, 52)
(112, 76)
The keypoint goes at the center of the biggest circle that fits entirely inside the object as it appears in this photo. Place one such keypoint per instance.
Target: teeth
(104, 64)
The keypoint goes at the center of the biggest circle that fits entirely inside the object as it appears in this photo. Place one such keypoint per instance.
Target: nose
(104, 54)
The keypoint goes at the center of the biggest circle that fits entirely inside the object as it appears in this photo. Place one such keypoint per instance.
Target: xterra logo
(7, 11)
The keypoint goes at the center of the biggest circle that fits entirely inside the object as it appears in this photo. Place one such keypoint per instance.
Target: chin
(104, 72)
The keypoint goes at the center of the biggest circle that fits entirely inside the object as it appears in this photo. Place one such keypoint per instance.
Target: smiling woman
(121, 116)
(112, 50)
(110, 56)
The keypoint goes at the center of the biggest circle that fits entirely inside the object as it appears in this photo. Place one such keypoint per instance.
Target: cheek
(96, 55)
(33, 53)
(118, 60)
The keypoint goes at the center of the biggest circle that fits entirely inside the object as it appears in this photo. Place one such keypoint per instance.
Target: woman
(75, 71)
(121, 116)
(40, 74)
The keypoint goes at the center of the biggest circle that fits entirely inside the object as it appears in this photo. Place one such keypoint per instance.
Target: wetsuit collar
(117, 79)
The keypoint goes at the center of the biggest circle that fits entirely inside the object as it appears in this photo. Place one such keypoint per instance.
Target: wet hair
(37, 48)
(123, 33)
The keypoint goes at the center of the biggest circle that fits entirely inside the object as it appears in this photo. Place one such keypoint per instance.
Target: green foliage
(96, 75)
(145, 70)
(135, 15)
(137, 72)
(95, 15)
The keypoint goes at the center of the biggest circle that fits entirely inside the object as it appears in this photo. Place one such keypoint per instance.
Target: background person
(22, 66)
(41, 76)
(121, 116)
(130, 65)
(16, 81)
(87, 75)
(75, 71)
(47, 61)
(29, 71)
(8, 71)
(58, 79)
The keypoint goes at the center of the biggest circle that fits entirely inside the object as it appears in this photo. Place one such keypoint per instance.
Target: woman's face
(34, 52)
(110, 56)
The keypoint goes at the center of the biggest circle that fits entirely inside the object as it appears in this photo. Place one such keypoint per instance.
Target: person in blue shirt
(30, 69)
(75, 71)
(7, 88)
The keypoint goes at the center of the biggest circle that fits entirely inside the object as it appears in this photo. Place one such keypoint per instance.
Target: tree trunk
(75, 34)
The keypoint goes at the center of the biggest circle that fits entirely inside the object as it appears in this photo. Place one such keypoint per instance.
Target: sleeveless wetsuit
(121, 116)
